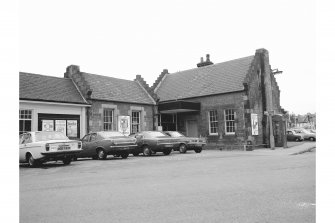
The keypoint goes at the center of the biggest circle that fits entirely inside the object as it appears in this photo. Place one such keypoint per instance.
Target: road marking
(305, 204)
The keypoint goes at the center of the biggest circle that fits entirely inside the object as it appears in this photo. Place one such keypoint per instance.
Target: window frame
(215, 121)
(226, 126)
(25, 117)
(137, 124)
(109, 118)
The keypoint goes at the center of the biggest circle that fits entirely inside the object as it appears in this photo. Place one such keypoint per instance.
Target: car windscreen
(153, 134)
(45, 136)
(106, 135)
(176, 134)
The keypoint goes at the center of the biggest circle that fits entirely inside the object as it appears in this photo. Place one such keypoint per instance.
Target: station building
(228, 103)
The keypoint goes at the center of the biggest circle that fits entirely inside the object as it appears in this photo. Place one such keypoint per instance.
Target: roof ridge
(43, 75)
(212, 65)
(107, 76)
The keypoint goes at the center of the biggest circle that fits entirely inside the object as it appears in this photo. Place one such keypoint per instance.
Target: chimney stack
(205, 63)
(70, 70)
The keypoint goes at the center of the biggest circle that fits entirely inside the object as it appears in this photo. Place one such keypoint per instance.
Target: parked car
(291, 135)
(306, 134)
(100, 144)
(42, 146)
(150, 142)
(186, 143)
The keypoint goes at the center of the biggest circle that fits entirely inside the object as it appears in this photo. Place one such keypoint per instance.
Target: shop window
(213, 122)
(135, 121)
(108, 119)
(25, 118)
(230, 121)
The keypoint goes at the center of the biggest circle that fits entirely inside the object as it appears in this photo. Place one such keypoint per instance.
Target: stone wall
(95, 114)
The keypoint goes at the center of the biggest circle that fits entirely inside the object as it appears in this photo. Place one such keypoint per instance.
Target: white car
(43, 146)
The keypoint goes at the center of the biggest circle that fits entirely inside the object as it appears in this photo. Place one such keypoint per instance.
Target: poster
(47, 125)
(72, 128)
(61, 126)
(124, 125)
(254, 124)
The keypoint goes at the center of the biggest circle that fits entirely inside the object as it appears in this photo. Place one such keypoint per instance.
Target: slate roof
(208, 80)
(115, 89)
(47, 88)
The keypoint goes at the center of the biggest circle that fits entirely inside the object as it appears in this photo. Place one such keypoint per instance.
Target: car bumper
(62, 154)
(195, 145)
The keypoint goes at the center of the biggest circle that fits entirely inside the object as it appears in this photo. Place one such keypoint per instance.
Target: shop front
(47, 116)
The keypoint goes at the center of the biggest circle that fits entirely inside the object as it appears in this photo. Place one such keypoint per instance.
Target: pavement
(293, 148)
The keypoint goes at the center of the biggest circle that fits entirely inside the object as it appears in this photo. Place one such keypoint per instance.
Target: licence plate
(168, 145)
(64, 148)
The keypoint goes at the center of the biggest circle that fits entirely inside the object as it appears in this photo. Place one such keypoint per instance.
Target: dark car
(100, 144)
(291, 135)
(150, 142)
(187, 143)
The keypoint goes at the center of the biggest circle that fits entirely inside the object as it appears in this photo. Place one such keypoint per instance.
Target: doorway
(192, 128)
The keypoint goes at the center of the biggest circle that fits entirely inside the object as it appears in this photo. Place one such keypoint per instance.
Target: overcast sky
(124, 38)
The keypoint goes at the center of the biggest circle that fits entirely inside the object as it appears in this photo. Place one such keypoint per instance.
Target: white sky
(124, 38)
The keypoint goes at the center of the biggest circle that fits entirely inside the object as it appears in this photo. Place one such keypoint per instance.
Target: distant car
(100, 144)
(150, 142)
(312, 131)
(39, 147)
(306, 134)
(187, 143)
(291, 135)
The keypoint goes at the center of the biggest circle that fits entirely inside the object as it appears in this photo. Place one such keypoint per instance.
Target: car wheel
(312, 139)
(297, 139)
(146, 151)
(136, 154)
(182, 148)
(167, 152)
(101, 154)
(198, 150)
(67, 161)
(32, 162)
(124, 155)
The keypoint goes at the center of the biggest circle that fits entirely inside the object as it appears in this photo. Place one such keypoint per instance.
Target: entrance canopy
(178, 107)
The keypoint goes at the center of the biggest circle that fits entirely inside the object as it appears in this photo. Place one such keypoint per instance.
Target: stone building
(116, 104)
(229, 102)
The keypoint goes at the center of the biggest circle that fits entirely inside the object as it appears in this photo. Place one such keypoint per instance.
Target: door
(86, 147)
(192, 128)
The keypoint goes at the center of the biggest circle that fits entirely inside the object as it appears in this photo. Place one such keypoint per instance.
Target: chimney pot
(207, 58)
(201, 59)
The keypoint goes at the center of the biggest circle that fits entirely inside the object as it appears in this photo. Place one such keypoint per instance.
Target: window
(135, 121)
(108, 119)
(25, 117)
(86, 138)
(230, 121)
(94, 137)
(213, 122)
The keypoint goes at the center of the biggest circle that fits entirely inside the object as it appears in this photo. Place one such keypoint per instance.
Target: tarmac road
(213, 186)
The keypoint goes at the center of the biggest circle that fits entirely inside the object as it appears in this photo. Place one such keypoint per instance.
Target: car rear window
(45, 136)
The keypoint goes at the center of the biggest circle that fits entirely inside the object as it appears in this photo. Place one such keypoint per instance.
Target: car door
(139, 139)
(22, 148)
(290, 136)
(85, 146)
